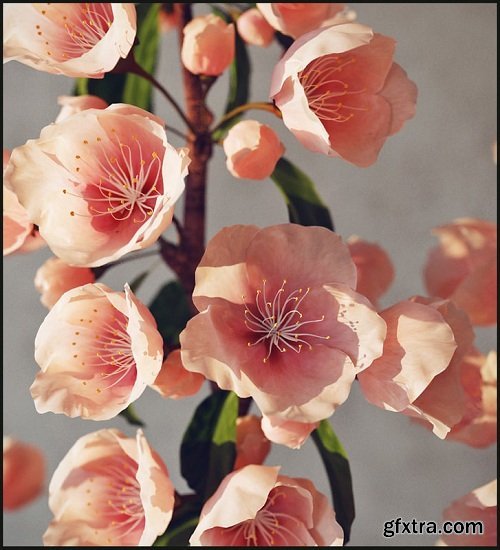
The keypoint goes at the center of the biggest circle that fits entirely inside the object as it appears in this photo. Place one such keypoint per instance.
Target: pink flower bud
(252, 150)
(252, 446)
(174, 380)
(254, 29)
(71, 105)
(208, 46)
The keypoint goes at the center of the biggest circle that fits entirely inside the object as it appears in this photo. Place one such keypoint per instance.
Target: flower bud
(254, 29)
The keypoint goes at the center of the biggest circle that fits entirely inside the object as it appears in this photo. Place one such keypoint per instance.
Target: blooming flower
(55, 277)
(109, 490)
(340, 93)
(208, 45)
(463, 268)
(252, 150)
(479, 505)
(252, 446)
(97, 350)
(279, 320)
(254, 29)
(84, 39)
(296, 19)
(75, 104)
(174, 380)
(23, 473)
(255, 506)
(108, 176)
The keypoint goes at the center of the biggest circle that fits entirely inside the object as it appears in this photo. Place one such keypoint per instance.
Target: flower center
(278, 323)
(326, 92)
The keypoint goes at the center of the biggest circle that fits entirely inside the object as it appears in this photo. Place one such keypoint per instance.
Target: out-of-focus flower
(374, 268)
(279, 320)
(75, 104)
(167, 18)
(463, 267)
(174, 380)
(419, 345)
(108, 176)
(478, 426)
(341, 94)
(252, 150)
(23, 473)
(252, 446)
(477, 506)
(287, 432)
(97, 350)
(19, 234)
(254, 29)
(255, 506)
(74, 39)
(208, 45)
(296, 19)
(109, 490)
(55, 277)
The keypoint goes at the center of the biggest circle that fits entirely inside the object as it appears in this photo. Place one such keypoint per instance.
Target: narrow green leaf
(304, 204)
(170, 308)
(137, 282)
(339, 475)
(131, 417)
(208, 448)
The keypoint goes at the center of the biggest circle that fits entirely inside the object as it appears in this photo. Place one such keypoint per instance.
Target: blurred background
(438, 168)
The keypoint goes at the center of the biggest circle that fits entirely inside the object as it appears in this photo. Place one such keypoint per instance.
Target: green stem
(260, 105)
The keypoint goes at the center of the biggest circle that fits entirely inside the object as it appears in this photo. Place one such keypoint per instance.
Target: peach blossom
(463, 267)
(479, 505)
(254, 29)
(97, 350)
(296, 19)
(279, 320)
(252, 150)
(287, 432)
(109, 490)
(419, 345)
(208, 45)
(252, 446)
(340, 93)
(108, 177)
(174, 380)
(19, 234)
(374, 268)
(442, 404)
(75, 104)
(55, 277)
(478, 426)
(23, 473)
(255, 506)
(77, 40)
(167, 20)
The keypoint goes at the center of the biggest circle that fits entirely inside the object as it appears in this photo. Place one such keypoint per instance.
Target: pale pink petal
(174, 380)
(252, 446)
(74, 104)
(401, 93)
(289, 433)
(254, 29)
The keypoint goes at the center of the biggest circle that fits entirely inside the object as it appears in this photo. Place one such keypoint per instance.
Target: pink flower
(255, 506)
(109, 490)
(55, 277)
(23, 473)
(419, 345)
(208, 45)
(174, 380)
(77, 40)
(254, 29)
(167, 20)
(478, 426)
(252, 150)
(252, 446)
(279, 320)
(479, 505)
(463, 268)
(107, 176)
(287, 432)
(97, 350)
(340, 93)
(75, 104)
(19, 234)
(295, 19)
(374, 268)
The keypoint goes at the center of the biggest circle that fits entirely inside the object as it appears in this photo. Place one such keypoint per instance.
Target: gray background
(439, 167)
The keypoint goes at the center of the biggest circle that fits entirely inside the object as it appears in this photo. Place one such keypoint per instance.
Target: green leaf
(339, 475)
(304, 204)
(138, 91)
(137, 282)
(170, 308)
(208, 448)
(131, 417)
